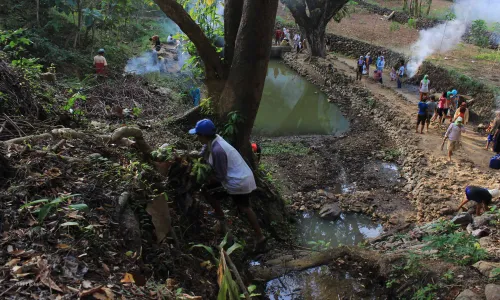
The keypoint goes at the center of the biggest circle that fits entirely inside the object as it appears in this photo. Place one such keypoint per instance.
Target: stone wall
(355, 48)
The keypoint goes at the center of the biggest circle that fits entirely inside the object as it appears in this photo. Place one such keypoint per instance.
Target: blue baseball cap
(203, 127)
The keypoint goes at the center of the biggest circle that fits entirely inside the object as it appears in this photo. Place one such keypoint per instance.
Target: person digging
(483, 197)
(232, 173)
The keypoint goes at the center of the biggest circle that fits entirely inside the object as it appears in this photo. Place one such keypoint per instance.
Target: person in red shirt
(100, 63)
(277, 36)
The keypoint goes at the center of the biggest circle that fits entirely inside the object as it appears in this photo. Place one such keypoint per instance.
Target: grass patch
(284, 148)
(286, 23)
(491, 56)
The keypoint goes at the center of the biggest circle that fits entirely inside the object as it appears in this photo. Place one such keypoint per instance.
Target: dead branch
(29, 139)
(58, 145)
(67, 158)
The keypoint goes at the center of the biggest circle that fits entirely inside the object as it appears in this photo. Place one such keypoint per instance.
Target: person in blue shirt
(422, 115)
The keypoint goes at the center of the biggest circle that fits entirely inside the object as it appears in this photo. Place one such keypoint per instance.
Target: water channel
(290, 105)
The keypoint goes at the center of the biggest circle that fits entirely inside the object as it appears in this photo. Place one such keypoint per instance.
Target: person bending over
(483, 197)
(232, 172)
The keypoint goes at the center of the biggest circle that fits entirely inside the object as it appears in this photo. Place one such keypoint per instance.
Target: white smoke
(446, 36)
(143, 64)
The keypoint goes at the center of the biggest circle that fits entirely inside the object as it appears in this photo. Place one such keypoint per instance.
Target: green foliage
(230, 130)
(319, 245)
(392, 154)
(204, 13)
(284, 23)
(491, 56)
(74, 100)
(48, 206)
(371, 102)
(456, 247)
(275, 148)
(395, 26)
(495, 273)
(14, 42)
(251, 289)
(136, 111)
(164, 154)
(201, 171)
(206, 107)
(413, 265)
(448, 276)
(478, 33)
(345, 11)
(412, 23)
(426, 293)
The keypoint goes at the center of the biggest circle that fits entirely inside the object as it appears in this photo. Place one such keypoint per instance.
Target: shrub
(412, 23)
(478, 33)
(395, 26)
(457, 247)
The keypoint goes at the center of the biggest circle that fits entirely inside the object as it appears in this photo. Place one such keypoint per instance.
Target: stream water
(290, 105)
(321, 282)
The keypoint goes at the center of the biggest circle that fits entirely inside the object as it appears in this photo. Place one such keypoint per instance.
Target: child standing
(393, 74)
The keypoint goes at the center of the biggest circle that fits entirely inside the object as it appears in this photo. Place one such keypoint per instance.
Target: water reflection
(349, 229)
(291, 105)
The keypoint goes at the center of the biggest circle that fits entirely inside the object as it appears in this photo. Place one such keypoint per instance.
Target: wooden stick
(236, 274)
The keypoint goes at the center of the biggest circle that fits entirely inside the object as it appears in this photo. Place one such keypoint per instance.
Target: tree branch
(209, 55)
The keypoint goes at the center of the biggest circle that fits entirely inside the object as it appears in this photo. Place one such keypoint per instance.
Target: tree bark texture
(244, 86)
(313, 25)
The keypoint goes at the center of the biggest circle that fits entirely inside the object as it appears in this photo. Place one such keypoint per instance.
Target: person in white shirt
(170, 39)
(424, 87)
(401, 73)
(453, 134)
(230, 171)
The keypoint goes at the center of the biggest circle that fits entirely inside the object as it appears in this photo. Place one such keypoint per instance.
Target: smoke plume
(446, 36)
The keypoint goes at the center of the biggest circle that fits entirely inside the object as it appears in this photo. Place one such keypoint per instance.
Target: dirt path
(406, 100)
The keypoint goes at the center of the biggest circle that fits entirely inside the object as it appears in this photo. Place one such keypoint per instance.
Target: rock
(486, 267)
(492, 292)
(482, 232)
(446, 211)
(482, 220)
(462, 219)
(394, 220)
(468, 295)
(302, 208)
(485, 242)
(330, 211)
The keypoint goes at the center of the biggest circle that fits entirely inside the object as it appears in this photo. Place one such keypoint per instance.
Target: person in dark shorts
(422, 115)
(431, 110)
(483, 197)
(359, 70)
(231, 172)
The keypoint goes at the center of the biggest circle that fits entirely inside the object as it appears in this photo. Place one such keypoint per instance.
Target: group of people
(283, 38)
(363, 66)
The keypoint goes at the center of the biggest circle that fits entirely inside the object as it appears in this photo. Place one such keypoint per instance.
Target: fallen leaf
(105, 268)
(74, 215)
(109, 293)
(12, 262)
(62, 246)
(89, 292)
(127, 278)
(50, 283)
(44, 276)
(86, 284)
(17, 252)
(160, 215)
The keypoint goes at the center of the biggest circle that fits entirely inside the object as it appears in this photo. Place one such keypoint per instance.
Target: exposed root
(129, 222)
(128, 131)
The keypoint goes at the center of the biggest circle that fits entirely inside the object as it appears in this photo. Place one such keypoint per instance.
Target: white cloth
(170, 39)
(239, 178)
(425, 86)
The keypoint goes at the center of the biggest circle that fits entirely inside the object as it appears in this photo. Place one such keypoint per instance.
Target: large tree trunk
(244, 86)
(316, 41)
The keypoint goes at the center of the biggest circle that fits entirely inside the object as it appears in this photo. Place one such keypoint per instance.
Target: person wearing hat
(231, 171)
(483, 197)
(100, 62)
(424, 87)
(453, 135)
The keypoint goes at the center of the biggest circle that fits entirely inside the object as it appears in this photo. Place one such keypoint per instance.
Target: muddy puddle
(290, 105)
(321, 282)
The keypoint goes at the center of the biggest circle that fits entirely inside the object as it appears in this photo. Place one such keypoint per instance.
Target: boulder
(486, 267)
(330, 211)
(481, 232)
(486, 242)
(482, 220)
(462, 219)
(468, 295)
(492, 292)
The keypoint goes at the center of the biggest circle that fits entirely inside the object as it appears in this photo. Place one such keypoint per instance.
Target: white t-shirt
(425, 86)
(170, 39)
(402, 71)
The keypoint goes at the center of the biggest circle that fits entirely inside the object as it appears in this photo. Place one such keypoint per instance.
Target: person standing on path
(442, 108)
(421, 116)
(100, 63)
(232, 172)
(453, 134)
(277, 36)
(381, 64)
(401, 73)
(463, 112)
(495, 130)
(483, 197)
(424, 87)
(368, 62)
(431, 110)
(156, 40)
(359, 70)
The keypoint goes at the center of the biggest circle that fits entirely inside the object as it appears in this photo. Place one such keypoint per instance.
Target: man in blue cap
(231, 171)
